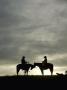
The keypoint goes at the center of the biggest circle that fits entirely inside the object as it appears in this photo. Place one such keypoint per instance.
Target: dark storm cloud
(60, 62)
(32, 28)
(10, 13)
(9, 20)
(62, 1)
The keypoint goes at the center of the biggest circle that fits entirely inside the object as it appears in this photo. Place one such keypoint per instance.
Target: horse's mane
(50, 63)
(46, 63)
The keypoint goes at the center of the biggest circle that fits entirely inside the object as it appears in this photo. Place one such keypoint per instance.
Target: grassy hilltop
(34, 81)
(34, 78)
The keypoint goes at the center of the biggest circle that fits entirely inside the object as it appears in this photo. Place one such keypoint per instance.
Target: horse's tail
(52, 70)
(17, 69)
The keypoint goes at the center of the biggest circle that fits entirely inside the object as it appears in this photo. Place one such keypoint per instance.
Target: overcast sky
(33, 28)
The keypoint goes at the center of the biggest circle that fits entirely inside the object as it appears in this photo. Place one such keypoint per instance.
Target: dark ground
(34, 81)
(34, 78)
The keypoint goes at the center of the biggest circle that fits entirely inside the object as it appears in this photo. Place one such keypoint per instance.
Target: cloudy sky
(33, 28)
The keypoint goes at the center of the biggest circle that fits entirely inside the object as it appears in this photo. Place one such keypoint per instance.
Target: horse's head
(32, 66)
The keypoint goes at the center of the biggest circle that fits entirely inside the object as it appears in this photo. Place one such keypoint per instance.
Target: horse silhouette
(46, 66)
(24, 67)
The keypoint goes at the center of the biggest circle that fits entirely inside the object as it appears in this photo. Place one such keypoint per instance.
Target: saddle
(44, 64)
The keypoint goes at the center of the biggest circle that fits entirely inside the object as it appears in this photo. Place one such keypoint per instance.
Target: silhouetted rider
(45, 61)
(23, 60)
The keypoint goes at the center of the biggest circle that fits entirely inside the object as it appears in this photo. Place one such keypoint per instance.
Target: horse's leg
(42, 72)
(17, 69)
(25, 72)
(51, 70)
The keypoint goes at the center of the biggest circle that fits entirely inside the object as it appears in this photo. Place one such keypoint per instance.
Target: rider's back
(45, 61)
(23, 60)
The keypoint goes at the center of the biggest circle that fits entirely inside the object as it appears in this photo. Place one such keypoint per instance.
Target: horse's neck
(37, 64)
(49, 64)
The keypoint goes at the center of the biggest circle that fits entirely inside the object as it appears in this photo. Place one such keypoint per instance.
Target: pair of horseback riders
(23, 61)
